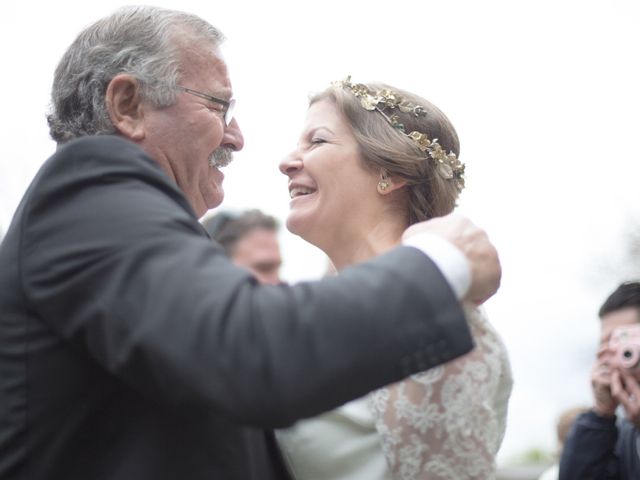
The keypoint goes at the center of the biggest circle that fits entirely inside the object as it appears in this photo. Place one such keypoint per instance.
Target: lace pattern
(448, 423)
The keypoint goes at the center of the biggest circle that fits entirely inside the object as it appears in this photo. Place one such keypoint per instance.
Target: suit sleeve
(115, 262)
(589, 451)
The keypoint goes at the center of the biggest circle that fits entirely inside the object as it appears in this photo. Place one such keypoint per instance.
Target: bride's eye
(317, 140)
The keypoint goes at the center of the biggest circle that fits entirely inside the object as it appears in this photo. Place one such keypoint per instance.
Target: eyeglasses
(228, 106)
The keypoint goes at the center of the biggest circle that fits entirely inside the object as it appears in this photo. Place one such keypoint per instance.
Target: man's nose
(233, 137)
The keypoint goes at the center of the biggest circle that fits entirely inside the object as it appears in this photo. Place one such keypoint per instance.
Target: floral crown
(447, 164)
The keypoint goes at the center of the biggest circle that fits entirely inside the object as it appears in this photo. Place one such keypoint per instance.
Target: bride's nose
(291, 163)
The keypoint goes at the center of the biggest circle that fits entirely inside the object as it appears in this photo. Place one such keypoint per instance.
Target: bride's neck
(358, 246)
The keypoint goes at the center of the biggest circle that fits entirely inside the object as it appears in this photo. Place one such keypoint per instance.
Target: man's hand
(604, 402)
(626, 390)
(474, 243)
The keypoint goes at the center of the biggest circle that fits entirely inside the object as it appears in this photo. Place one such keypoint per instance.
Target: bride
(372, 160)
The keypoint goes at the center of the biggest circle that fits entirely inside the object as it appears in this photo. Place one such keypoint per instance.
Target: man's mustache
(221, 157)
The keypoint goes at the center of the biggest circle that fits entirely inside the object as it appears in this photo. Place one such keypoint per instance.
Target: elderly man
(130, 346)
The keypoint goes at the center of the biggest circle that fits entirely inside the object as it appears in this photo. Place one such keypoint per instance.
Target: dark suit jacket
(131, 348)
(599, 448)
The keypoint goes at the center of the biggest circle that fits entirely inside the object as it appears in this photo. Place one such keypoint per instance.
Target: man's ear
(124, 106)
(389, 183)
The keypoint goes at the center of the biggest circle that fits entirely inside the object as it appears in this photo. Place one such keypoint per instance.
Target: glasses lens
(228, 116)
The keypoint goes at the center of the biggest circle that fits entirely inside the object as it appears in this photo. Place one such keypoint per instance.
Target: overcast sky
(544, 96)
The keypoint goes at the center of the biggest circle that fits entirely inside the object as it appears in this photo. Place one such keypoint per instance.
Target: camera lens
(627, 354)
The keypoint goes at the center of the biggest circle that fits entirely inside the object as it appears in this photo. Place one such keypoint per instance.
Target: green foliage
(532, 456)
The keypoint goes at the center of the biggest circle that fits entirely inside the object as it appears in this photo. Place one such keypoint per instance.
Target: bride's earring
(382, 185)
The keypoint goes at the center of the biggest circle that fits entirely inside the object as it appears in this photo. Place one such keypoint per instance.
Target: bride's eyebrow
(318, 128)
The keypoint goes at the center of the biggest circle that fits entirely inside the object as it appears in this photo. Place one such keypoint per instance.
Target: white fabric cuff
(449, 260)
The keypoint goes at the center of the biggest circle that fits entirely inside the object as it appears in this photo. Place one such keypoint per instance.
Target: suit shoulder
(112, 147)
(105, 161)
(95, 157)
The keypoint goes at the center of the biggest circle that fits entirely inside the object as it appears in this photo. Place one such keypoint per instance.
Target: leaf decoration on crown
(447, 164)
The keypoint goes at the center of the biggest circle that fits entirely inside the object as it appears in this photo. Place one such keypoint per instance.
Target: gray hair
(138, 40)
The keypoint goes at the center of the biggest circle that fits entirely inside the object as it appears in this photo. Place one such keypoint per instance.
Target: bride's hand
(474, 243)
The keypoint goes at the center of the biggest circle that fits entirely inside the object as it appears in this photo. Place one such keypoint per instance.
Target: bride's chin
(298, 226)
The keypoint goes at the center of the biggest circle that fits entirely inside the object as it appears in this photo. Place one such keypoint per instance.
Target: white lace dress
(446, 423)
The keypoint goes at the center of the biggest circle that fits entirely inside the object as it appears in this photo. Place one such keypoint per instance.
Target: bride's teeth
(295, 192)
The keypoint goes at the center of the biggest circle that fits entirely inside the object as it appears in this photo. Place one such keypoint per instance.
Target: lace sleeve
(448, 422)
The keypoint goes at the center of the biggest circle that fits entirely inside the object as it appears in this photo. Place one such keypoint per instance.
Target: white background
(544, 96)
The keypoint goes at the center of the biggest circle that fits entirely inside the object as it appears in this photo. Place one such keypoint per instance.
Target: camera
(625, 345)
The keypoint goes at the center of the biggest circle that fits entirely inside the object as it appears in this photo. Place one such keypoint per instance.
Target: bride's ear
(389, 183)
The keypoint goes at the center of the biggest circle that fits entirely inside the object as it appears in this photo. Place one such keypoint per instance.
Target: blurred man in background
(600, 445)
(250, 240)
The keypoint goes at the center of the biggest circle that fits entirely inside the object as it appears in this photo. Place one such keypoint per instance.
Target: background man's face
(258, 250)
(617, 318)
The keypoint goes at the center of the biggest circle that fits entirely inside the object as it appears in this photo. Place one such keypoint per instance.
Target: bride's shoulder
(489, 342)
(480, 325)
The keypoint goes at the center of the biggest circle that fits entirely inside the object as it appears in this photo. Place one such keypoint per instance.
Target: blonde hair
(386, 149)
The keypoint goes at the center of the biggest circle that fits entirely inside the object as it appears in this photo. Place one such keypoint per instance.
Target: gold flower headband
(447, 164)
